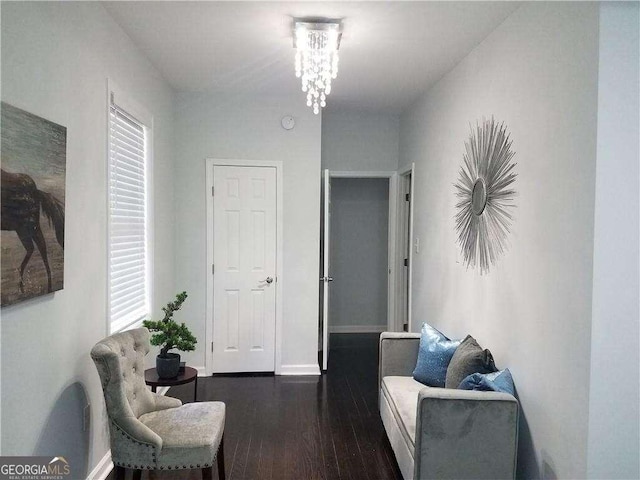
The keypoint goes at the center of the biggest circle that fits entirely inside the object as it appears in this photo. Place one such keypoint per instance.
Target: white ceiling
(391, 52)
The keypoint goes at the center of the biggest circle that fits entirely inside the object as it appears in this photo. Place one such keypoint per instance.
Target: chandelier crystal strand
(316, 63)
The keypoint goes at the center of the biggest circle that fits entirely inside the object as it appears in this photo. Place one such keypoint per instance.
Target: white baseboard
(202, 372)
(310, 369)
(103, 469)
(357, 328)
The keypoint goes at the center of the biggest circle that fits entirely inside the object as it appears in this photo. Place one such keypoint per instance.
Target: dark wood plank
(327, 444)
(268, 440)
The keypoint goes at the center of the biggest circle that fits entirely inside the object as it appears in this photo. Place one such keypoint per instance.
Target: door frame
(391, 235)
(402, 172)
(210, 163)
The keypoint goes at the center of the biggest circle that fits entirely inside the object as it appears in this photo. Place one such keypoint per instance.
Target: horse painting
(21, 205)
(32, 213)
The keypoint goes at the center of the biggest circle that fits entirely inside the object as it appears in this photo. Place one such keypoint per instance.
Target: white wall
(537, 72)
(210, 126)
(613, 401)
(56, 58)
(359, 248)
(360, 141)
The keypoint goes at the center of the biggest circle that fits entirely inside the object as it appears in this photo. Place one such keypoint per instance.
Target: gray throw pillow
(468, 358)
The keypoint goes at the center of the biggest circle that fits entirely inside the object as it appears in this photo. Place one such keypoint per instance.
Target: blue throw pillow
(434, 356)
(501, 381)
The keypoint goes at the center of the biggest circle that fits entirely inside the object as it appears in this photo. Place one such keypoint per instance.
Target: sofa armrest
(397, 354)
(483, 425)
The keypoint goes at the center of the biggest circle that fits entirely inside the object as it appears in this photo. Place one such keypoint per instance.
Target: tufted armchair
(150, 431)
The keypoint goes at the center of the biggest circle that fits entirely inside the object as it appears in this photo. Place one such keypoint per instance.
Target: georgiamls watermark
(34, 468)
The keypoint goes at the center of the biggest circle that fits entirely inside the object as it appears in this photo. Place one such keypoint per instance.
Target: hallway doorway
(359, 275)
(359, 255)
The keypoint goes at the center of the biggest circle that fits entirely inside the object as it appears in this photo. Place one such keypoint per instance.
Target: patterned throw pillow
(434, 356)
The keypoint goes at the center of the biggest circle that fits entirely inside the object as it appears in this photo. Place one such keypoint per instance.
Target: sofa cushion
(468, 358)
(402, 395)
(434, 355)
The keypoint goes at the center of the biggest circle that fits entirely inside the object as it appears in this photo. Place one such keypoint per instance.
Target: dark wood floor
(300, 428)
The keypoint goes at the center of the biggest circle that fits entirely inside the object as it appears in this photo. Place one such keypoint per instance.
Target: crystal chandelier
(317, 46)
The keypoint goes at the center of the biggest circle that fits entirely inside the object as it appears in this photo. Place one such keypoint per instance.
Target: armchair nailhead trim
(137, 442)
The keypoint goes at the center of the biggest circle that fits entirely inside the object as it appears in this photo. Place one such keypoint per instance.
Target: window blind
(128, 236)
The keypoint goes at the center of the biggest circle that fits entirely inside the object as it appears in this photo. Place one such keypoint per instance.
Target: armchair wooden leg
(137, 475)
(119, 472)
(207, 473)
(220, 458)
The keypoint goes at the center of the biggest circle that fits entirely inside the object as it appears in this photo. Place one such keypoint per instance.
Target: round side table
(189, 375)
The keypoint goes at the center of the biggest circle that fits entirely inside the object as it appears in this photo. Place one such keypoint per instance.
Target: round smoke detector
(288, 122)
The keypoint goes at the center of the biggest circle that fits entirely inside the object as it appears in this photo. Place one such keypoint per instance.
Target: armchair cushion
(189, 433)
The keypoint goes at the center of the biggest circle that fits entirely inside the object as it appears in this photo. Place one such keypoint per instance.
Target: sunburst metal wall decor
(484, 189)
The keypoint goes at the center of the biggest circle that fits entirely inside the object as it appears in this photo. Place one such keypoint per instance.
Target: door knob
(269, 280)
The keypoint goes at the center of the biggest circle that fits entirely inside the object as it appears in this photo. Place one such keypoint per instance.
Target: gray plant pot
(169, 366)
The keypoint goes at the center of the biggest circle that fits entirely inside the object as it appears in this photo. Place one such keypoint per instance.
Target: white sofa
(443, 433)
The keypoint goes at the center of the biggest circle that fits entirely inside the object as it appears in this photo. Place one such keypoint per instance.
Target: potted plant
(170, 334)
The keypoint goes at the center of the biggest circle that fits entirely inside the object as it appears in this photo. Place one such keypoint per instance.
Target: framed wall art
(33, 154)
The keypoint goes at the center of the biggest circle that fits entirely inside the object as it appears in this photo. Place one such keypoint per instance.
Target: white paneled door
(244, 255)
